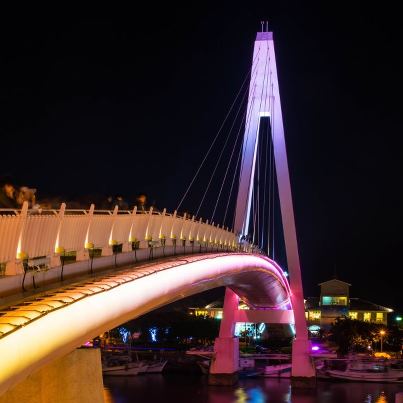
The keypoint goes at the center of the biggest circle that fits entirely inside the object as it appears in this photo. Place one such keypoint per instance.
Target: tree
(353, 335)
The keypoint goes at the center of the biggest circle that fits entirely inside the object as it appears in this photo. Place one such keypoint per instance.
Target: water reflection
(381, 398)
(240, 395)
(257, 395)
(180, 388)
(108, 396)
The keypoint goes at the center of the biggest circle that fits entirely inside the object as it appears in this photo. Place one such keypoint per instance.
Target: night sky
(123, 101)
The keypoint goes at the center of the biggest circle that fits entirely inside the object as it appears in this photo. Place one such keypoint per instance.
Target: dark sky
(123, 101)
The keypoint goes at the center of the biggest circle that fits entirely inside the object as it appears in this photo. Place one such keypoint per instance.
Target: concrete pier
(76, 377)
(225, 362)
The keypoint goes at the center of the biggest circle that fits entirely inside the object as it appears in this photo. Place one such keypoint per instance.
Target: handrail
(54, 232)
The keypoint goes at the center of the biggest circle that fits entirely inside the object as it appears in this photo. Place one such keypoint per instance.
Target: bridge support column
(76, 377)
(225, 363)
(303, 371)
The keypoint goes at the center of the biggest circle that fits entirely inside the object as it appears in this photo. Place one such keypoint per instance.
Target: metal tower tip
(265, 26)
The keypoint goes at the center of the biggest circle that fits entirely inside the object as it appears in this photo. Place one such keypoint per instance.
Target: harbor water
(182, 388)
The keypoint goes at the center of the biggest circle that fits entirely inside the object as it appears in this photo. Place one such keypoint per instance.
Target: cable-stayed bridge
(102, 268)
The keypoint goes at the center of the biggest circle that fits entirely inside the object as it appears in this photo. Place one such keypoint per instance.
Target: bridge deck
(49, 325)
(27, 309)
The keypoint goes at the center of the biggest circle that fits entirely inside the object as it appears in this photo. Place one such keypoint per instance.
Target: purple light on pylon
(315, 348)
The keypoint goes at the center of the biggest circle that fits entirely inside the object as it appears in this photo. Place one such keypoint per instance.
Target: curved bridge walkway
(51, 324)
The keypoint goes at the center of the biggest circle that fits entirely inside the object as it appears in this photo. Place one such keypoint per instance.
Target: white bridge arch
(53, 324)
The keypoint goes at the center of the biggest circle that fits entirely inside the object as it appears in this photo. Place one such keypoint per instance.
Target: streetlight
(382, 333)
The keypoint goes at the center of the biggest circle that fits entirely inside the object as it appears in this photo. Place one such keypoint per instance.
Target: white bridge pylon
(264, 101)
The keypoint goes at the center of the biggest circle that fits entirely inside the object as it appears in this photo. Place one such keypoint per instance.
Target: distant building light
(398, 318)
(261, 327)
(353, 315)
(315, 348)
(153, 334)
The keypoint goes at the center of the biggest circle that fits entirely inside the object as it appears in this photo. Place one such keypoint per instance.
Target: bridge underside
(37, 332)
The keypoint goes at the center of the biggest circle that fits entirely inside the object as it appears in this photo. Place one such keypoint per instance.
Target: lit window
(327, 300)
(306, 315)
(353, 315)
(201, 313)
(314, 315)
(367, 316)
(379, 317)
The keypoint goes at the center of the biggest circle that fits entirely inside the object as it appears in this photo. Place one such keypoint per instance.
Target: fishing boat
(116, 367)
(153, 367)
(277, 371)
(364, 370)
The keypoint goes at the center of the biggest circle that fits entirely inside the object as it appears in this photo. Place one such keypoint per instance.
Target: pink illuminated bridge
(50, 325)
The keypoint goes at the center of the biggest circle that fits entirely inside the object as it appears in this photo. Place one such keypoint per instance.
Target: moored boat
(129, 369)
(277, 371)
(361, 370)
(154, 367)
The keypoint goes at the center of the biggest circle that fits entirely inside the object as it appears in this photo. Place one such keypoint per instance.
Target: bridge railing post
(83, 254)
(15, 265)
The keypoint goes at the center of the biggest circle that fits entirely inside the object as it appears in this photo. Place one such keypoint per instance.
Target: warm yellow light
(22, 255)
(59, 249)
(382, 332)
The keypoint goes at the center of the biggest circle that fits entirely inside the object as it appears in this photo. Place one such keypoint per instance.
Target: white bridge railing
(52, 233)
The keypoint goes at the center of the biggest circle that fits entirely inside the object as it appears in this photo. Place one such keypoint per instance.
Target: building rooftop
(359, 304)
(334, 280)
(356, 304)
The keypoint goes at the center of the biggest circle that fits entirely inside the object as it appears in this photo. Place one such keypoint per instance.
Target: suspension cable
(233, 179)
(219, 157)
(247, 125)
(226, 171)
(271, 184)
(216, 136)
(266, 161)
(273, 187)
(257, 166)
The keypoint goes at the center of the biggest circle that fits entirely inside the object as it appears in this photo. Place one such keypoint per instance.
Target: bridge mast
(264, 101)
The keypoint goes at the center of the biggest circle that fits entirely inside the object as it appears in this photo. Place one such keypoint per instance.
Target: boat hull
(123, 370)
(155, 368)
(365, 377)
(277, 371)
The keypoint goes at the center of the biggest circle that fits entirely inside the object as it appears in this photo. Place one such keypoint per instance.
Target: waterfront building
(320, 312)
(335, 301)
